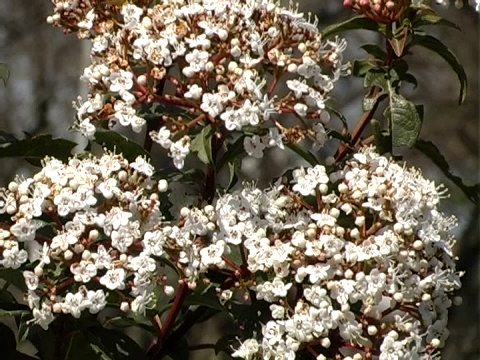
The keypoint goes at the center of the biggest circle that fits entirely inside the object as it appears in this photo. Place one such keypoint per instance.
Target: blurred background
(45, 66)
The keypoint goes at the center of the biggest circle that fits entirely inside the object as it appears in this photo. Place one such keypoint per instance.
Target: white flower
(114, 279)
(142, 166)
(247, 350)
(42, 316)
(122, 80)
(179, 151)
(83, 271)
(254, 146)
(96, 301)
(31, 280)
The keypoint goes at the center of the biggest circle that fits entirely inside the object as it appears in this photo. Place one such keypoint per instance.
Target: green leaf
(355, 23)
(118, 143)
(4, 73)
(202, 144)
(361, 67)
(376, 77)
(13, 277)
(405, 121)
(429, 149)
(224, 344)
(34, 149)
(208, 299)
(232, 175)
(374, 50)
(383, 140)
(429, 17)
(305, 154)
(112, 344)
(435, 45)
(77, 347)
(233, 152)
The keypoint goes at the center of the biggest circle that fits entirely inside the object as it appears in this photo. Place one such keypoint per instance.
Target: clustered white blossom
(355, 263)
(85, 233)
(218, 61)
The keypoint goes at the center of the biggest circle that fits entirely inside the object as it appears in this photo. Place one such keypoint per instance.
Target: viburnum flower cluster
(354, 262)
(85, 233)
(218, 62)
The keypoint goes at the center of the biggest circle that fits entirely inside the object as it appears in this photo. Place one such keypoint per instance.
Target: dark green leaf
(361, 67)
(342, 118)
(429, 149)
(77, 347)
(355, 23)
(23, 326)
(429, 17)
(374, 50)
(383, 140)
(208, 300)
(7, 137)
(179, 350)
(405, 121)
(111, 344)
(443, 51)
(118, 143)
(202, 144)
(13, 277)
(9, 344)
(376, 77)
(232, 175)
(36, 148)
(233, 152)
(4, 73)
(305, 154)
(224, 344)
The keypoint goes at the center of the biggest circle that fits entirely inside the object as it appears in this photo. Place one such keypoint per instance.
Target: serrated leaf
(114, 141)
(4, 73)
(430, 149)
(355, 23)
(36, 148)
(435, 45)
(305, 154)
(202, 144)
(405, 121)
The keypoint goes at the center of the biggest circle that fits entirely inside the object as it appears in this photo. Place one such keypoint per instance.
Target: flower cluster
(218, 62)
(84, 233)
(352, 262)
(356, 263)
(383, 11)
